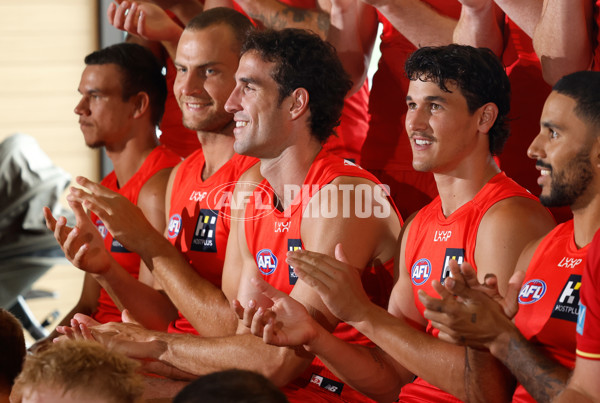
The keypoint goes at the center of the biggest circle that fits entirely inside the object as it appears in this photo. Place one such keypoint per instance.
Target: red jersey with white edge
(433, 240)
(199, 218)
(271, 233)
(588, 324)
(160, 158)
(549, 298)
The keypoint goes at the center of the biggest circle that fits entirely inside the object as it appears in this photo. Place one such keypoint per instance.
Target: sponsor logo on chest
(567, 305)
(293, 245)
(198, 196)
(281, 226)
(442, 236)
(569, 262)
(451, 254)
(204, 238)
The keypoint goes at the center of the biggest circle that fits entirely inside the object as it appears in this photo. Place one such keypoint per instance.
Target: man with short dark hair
(288, 98)
(458, 100)
(12, 350)
(539, 347)
(122, 101)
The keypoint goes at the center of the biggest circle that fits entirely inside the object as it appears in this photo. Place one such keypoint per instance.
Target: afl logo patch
(532, 291)
(420, 271)
(266, 261)
(174, 226)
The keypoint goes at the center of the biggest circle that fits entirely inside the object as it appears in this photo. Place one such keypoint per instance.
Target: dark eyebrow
(431, 98)
(202, 66)
(550, 125)
(248, 80)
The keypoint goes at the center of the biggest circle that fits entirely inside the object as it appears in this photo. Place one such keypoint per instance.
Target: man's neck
(217, 149)
(289, 169)
(586, 218)
(128, 158)
(459, 186)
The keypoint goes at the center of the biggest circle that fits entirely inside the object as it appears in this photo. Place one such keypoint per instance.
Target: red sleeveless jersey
(160, 158)
(433, 240)
(549, 298)
(199, 218)
(588, 324)
(271, 235)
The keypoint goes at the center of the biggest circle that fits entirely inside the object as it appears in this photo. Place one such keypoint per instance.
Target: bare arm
(525, 13)
(276, 15)
(417, 21)
(480, 25)
(203, 304)
(563, 38)
(583, 386)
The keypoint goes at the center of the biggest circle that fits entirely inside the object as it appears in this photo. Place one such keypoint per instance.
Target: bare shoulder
(518, 214)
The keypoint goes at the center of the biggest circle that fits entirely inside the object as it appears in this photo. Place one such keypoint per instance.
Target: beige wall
(42, 46)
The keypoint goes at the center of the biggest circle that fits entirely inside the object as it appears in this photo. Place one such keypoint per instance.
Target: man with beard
(187, 263)
(538, 347)
(122, 101)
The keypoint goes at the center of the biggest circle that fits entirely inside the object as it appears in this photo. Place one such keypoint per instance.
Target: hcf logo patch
(266, 261)
(532, 291)
(420, 271)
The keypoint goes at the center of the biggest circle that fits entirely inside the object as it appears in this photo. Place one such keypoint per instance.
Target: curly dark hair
(141, 72)
(303, 60)
(477, 72)
(583, 86)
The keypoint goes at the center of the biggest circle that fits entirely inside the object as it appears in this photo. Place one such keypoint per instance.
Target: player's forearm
(437, 362)
(202, 303)
(186, 10)
(147, 305)
(199, 356)
(478, 27)
(345, 34)
(525, 13)
(366, 369)
(417, 21)
(486, 379)
(276, 15)
(542, 377)
(563, 38)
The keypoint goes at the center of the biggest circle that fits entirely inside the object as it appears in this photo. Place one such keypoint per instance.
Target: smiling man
(458, 100)
(187, 262)
(539, 346)
(288, 99)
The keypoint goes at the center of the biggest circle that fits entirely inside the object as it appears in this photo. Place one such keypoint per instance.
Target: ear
(141, 104)
(487, 116)
(298, 103)
(595, 155)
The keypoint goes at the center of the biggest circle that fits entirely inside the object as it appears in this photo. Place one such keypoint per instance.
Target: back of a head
(231, 386)
(304, 60)
(584, 88)
(140, 70)
(239, 24)
(82, 367)
(12, 349)
(477, 72)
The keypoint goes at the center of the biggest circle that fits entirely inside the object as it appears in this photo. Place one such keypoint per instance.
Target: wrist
(500, 344)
